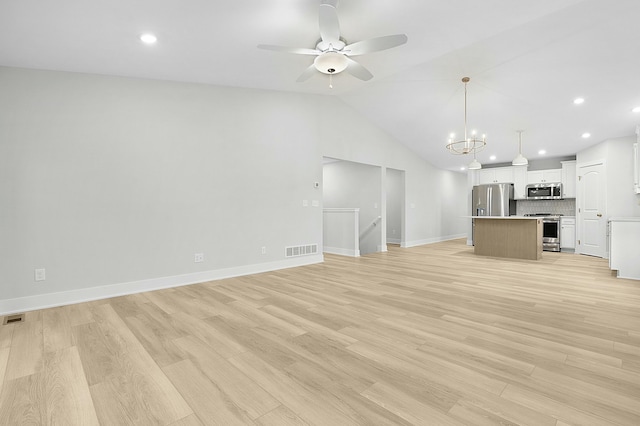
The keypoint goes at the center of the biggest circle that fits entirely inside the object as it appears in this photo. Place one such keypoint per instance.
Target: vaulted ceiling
(527, 60)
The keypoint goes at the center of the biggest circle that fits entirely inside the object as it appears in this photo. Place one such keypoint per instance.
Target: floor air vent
(10, 319)
(301, 250)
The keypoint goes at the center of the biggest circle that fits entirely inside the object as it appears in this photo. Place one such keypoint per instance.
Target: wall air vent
(296, 251)
(10, 319)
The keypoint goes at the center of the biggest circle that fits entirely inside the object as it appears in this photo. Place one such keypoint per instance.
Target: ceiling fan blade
(296, 50)
(357, 70)
(329, 24)
(375, 44)
(306, 75)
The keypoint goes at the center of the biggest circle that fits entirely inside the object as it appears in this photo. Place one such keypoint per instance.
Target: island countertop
(505, 217)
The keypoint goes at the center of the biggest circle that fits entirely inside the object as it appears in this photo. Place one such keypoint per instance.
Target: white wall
(618, 157)
(112, 184)
(109, 180)
(353, 185)
(395, 205)
(435, 199)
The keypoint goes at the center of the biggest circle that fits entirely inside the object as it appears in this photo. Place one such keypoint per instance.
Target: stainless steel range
(550, 230)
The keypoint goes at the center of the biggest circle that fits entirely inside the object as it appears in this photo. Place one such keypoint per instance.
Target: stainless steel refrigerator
(494, 199)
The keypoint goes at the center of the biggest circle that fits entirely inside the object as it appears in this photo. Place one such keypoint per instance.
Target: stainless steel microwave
(544, 191)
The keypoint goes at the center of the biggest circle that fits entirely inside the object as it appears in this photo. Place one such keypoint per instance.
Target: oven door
(551, 234)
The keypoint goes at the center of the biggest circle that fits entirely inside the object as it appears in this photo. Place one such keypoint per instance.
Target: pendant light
(475, 164)
(520, 160)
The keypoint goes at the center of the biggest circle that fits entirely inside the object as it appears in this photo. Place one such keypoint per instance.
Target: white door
(591, 200)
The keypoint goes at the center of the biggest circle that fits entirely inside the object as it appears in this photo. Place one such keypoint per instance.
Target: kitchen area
(519, 213)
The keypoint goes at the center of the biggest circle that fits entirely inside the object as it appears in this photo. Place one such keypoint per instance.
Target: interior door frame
(580, 207)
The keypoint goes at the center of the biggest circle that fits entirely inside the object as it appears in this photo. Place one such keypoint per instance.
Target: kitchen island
(516, 237)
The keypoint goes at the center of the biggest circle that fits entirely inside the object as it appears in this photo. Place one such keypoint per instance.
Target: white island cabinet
(624, 246)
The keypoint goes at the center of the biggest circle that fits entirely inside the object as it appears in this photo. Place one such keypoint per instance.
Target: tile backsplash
(564, 207)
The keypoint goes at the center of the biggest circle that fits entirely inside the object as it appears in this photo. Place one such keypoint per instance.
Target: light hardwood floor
(431, 335)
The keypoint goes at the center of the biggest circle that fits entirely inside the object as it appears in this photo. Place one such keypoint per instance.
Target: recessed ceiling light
(148, 38)
(493, 157)
(586, 135)
(578, 101)
(636, 109)
(542, 152)
(463, 168)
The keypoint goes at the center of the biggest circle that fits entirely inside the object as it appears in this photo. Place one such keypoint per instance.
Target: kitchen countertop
(624, 219)
(506, 217)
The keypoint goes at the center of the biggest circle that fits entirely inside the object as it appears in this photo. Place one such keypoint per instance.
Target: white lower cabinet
(624, 250)
(567, 233)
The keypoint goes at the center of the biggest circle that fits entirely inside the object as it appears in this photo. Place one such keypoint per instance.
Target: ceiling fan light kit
(467, 145)
(333, 53)
(331, 63)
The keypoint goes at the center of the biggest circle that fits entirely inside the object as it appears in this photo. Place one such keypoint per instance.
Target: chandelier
(471, 143)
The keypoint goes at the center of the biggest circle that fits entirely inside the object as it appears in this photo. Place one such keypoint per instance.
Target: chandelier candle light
(470, 144)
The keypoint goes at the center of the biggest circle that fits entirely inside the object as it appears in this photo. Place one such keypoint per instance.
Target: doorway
(591, 205)
(395, 188)
(350, 187)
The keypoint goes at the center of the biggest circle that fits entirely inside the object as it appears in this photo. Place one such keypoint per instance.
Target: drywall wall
(618, 159)
(113, 184)
(110, 180)
(435, 199)
(353, 185)
(395, 205)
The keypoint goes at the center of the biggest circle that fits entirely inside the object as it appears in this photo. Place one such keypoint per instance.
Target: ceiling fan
(332, 52)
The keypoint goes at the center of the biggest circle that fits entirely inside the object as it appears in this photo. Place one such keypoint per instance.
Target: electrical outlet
(198, 257)
(315, 203)
(305, 203)
(264, 250)
(40, 275)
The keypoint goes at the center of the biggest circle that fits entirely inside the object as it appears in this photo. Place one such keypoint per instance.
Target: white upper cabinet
(495, 175)
(568, 179)
(519, 182)
(544, 176)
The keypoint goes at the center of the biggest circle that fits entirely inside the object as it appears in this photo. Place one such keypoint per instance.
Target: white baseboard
(382, 248)
(415, 243)
(341, 251)
(50, 300)
(394, 241)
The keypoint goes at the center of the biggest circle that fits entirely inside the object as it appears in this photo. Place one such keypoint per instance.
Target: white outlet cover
(305, 203)
(198, 257)
(315, 203)
(40, 275)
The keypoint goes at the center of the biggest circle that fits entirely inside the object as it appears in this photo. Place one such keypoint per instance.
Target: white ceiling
(527, 60)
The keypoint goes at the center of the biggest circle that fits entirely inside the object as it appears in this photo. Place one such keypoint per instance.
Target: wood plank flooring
(431, 335)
